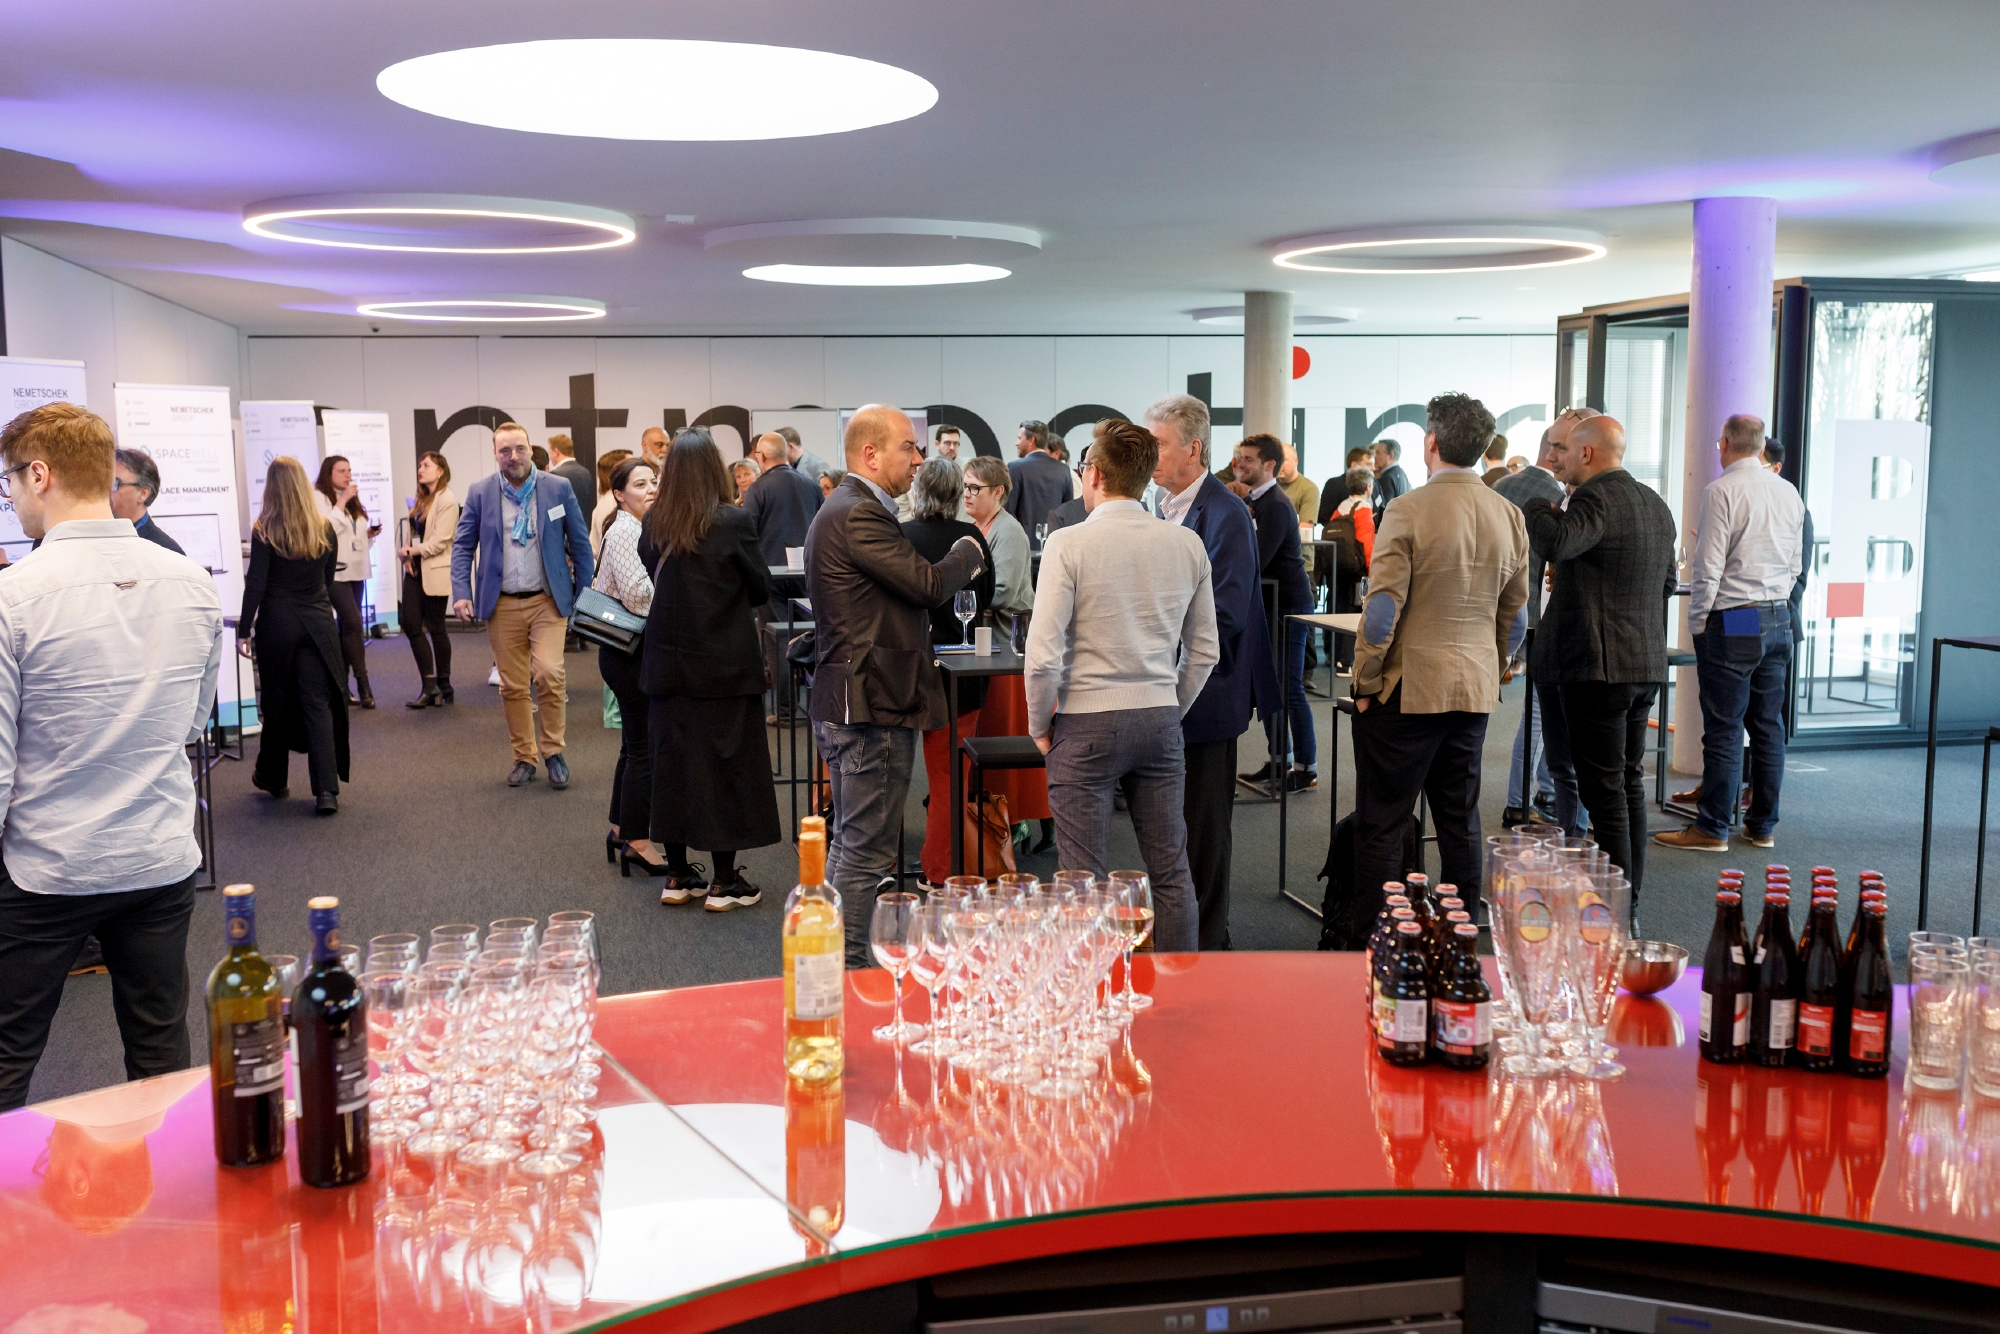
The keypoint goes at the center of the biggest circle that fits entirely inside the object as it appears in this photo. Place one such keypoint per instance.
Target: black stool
(1979, 862)
(1662, 747)
(995, 752)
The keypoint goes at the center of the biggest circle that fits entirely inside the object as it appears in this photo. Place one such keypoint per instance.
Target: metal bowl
(1653, 965)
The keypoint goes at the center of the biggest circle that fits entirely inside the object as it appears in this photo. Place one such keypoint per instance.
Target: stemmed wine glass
(965, 606)
(890, 937)
(1596, 951)
(1132, 914)
(929, 961)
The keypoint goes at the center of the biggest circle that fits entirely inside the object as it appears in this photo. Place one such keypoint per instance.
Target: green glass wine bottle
(246, 1042)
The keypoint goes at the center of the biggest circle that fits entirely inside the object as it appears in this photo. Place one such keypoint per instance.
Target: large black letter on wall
(431, 436)
(970, 423)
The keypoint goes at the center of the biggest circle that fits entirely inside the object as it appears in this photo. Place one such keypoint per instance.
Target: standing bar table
(1344, 623)
(1989, 644)
(958, 663)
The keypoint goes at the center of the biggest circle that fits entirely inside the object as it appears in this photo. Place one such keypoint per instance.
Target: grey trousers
(870, 769)
(1091, 754)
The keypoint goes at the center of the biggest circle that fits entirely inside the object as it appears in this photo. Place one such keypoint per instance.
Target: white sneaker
(493, 677)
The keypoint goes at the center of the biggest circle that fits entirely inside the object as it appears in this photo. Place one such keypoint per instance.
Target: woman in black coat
(704, 677)
(287, 625)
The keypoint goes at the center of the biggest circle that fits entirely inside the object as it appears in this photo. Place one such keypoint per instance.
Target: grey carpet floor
(428, 832)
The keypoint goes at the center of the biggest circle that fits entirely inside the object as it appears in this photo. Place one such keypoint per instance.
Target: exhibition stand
(1244, 1161)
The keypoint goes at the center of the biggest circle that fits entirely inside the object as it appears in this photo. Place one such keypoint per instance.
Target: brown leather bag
(989, 836)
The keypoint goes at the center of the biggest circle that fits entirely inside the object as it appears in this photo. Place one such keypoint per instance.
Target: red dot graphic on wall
(1301, 363)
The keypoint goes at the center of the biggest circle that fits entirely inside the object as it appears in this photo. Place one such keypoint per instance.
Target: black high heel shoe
(610, 849)
(626, 861)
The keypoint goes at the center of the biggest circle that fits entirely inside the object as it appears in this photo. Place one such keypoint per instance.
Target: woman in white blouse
(622, 575)
(1013, 581)
(339, 502)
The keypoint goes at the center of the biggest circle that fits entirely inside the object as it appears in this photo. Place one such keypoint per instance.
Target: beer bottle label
(1707, 1014)
(1736, 953)
(1739, 1032)
(258, 1050)
(1868, 1038)
(1461, 1027)
(1815, 1030)
(1784, 1022)
(1412, 1021)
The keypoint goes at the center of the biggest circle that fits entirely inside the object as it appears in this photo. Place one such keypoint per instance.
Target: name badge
(556, 513)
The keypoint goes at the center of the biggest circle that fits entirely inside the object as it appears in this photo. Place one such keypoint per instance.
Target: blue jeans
(1742, 656)
(1300, 737)
(1528, 733)
(870, 769)
(1091, 754)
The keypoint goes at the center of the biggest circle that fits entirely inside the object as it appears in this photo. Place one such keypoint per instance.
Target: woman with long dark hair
(427, 578)
(622, 575)
(287, 626)
(339, 502)
(704, 677)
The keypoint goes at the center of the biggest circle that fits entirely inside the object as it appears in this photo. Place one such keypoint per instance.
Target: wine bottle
(1402, 1029)
(1871, 989)
(246, 1042)
(816, 1160)
(330, 1019)
(1819, 989)
(1725, 984)
(1462, 1006)
(1774, 983)
(815, 964)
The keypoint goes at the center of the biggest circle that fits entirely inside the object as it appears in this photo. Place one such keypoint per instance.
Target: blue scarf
(524, 498)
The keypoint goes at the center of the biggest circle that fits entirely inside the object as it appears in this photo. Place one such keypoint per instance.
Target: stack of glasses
(1954, 1011)
(1560, 936)
(1019, 973)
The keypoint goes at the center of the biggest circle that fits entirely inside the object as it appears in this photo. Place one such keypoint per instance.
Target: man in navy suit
(1244, 677)
(521, 555)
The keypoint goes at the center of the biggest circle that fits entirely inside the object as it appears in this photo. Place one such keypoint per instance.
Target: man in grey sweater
(1122, 641)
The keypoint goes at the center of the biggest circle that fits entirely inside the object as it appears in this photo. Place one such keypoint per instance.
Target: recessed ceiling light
(440, 224)
(861, 275)
(1440, 249)
(649, 88)
(487, 310)
(1231, 317)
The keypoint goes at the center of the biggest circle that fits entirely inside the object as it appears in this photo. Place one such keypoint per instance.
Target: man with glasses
(109, 648)
(1037, 481)
(135, 485)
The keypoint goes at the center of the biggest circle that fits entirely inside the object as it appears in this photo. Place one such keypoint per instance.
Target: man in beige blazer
(1446, 595)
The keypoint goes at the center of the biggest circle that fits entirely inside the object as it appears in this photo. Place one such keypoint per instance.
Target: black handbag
(604, 620)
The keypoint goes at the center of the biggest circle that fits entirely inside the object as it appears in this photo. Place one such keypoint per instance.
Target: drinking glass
(889, 938)
(1945, 938)
(456, 933)
(965, 606)
(288, 970)
(967, 929)
(929, 961)
(350, 960)
(393, 940)
(388, 994)
(964, 888)
(1986, 1026)
(1041, 535)
(1132, 914)
(1071, 884)
(1937, 1019)
(1015, 886)
(1597, 945)
(1525, 926)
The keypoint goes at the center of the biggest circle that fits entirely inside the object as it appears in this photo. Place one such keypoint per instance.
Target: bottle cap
(1728, 896)
(1393, 886)
(1822, 870)
(236, 891)
(1778, 897)
(322, 903)
(1731, 873)
(1410, 929)
(1447, 888)
(1874, 907)
(1459, 915)
(1398, 900)
(1466, 931)
(1778, 867)
(1404, 914)
(1451, 901)
(1417, 878)
(1876, 895)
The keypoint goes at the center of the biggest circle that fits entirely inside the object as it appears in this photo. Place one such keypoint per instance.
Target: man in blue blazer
(1244, 678)
(521, 555)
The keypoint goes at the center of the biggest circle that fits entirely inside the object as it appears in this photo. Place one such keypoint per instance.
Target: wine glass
(1041, 534)
(889, 936)
(1132, 914)
(929, 960)
(965, 606)
(1597, 946)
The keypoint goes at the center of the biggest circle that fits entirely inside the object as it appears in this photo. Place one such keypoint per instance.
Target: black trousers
(346, 596)
(430, 642)
(1607, 744)
(632, 780)
(315, 686)
(1396, 756)
(1209, 802)
(144, 934)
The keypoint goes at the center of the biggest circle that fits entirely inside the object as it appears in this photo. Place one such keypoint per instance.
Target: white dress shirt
(620, 572)
(1747, 547)
(1174, 508)
(350, 534)
(109, 646)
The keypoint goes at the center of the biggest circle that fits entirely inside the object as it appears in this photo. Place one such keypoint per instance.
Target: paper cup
(982, 642)
(795, 558)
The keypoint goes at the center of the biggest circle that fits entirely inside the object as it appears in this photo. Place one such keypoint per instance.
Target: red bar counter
(1246, 1103)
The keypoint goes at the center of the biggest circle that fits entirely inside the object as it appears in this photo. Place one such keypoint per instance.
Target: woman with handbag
(339, 502)
(622, 575)
(703, 673)
(427, 578)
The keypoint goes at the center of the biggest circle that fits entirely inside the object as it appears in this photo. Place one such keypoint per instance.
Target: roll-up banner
(272, 428)
(26, 383)
(188, 432)
(362, 438)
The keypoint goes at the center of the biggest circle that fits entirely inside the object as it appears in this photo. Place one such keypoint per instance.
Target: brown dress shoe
(1687, 798)
(1693, 839)
(1761, 840)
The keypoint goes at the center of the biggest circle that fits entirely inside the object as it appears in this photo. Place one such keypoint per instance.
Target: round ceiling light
(1971, 163)
(1232, 316)
(486, 310)
(611, 88)
(440, 224)
(1440, 249)
(876, 275)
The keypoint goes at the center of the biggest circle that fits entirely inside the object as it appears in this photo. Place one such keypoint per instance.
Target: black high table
(1990, 644)
(957, 664)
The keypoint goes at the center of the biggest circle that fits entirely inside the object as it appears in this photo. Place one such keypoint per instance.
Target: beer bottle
(1385, 956)
(1869, 996)
(1775, 977)
(1719, 1098)
(1813, 1149)
(1402, 1029)
(1819, 988)
(1379, 937)
(1725, 984)
(1462, 1010)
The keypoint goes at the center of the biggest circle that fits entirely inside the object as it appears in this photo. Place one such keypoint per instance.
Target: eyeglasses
(7, 480)
(974, 488)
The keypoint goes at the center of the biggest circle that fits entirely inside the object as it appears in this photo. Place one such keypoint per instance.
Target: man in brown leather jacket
(875, 688)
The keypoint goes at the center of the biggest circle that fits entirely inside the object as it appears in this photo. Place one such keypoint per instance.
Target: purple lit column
(1729, 371)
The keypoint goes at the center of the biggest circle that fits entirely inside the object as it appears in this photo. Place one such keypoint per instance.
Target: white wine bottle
(246, 1042)
(815, 964)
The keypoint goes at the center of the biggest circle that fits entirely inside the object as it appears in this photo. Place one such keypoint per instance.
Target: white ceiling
(1158, 145)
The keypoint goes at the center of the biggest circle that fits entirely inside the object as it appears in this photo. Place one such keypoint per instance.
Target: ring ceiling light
(1972, 163)
(486, 310)
(1440, 249)
(661, 89)
(875, 275)
(440, 224)
(1233, 315)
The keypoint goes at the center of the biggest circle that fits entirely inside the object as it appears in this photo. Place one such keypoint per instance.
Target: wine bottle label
(258, 1052)
(1412, 1021)
(816, 985)
(1739, 1032)
(1815, 1030)
(1868, 1037)
(350, 1070)
(1461, 1027)
(1736, 953)
(239, 920)
(1707, 1014)
(1784, 1023)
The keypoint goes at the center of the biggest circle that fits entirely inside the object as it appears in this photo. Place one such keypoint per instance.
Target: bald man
(876, 687)
(1603, 636)
(781, 502)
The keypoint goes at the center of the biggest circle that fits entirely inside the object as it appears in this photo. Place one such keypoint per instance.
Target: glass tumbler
(1937, 993)
(1985, 1020)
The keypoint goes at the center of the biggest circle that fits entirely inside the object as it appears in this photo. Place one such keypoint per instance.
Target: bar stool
(1661, 746)
(995, 752)
(1979, 862)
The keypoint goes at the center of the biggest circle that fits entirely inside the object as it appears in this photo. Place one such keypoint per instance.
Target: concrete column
(1267, 363)
(1729, 371)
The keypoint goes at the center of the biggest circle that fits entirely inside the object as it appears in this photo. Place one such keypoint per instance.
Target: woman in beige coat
(427, 577)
